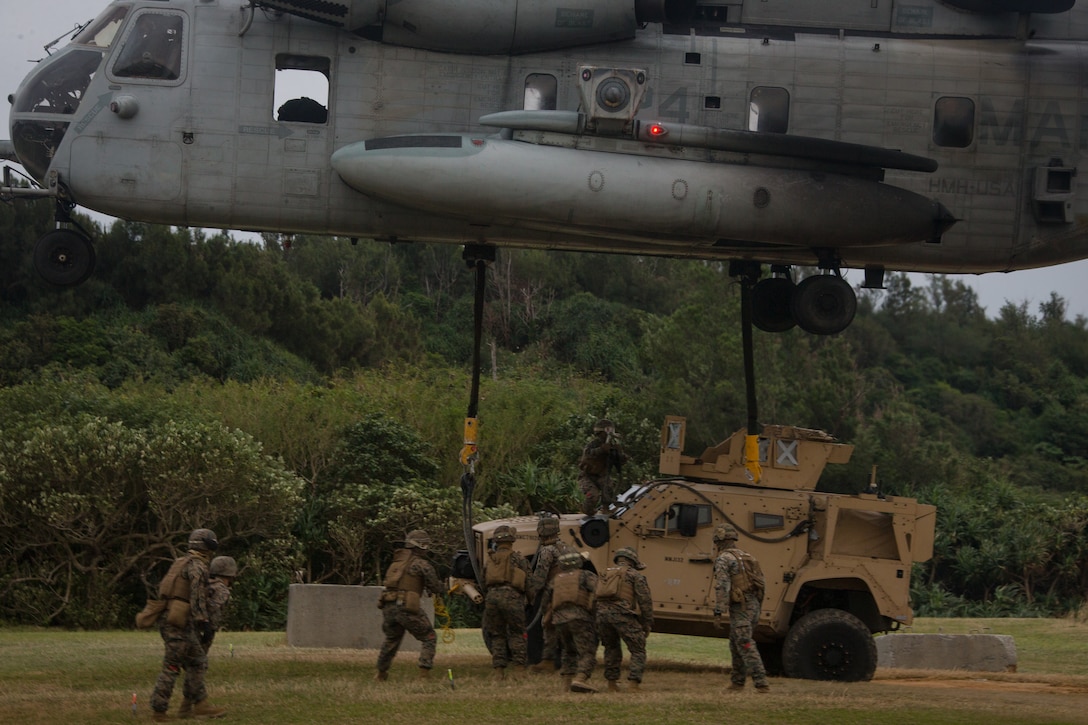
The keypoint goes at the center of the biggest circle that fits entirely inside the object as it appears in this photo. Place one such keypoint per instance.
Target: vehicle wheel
(64, 257)
(824, 304)
(771, 304)
(829, 644)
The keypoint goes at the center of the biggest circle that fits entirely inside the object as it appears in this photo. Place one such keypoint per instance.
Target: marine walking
(184, 623)
(739, 586)
(625, 612)
(406, 579)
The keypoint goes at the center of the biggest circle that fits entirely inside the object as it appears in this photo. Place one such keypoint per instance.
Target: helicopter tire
(824, 304)
(829, 644)
(64, 257)
(771, 304)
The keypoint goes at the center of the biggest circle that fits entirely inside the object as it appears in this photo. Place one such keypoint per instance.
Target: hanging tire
(772, 308)
(829, 644)
(64, 257)
(824, 304)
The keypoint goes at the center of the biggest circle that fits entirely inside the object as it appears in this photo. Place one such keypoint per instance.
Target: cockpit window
(103, 31)
(152, 48)
(58, 84)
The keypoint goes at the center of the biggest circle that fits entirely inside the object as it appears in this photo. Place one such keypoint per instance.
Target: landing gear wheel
(824, 304)
(829, 644)
(64, 257)
(771, 304)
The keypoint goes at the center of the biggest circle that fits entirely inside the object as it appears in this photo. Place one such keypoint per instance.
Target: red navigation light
(657, 131)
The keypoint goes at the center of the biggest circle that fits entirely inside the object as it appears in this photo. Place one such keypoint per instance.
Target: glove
(207, 632)
(718, 623)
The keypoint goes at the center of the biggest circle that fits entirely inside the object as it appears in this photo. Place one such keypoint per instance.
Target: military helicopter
(936, 136)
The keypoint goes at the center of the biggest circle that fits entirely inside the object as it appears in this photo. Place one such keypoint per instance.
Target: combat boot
(424, 673)
(204, 710)
(613, 686)
(498, 674)
(763, 689)
(382, 676)
(734, 687)
(186, 710)
(157, 716)
(580, 684)
(634, 685)
(567, 679)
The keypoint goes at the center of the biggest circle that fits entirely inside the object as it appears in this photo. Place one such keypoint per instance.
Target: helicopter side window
(769, 109)
(954, 122)
(152, 48)
(302, 89)
(541, 92)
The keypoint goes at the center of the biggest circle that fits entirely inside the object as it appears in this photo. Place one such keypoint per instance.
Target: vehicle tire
(824, 304)
(829, 644)
(64, 258)
(772, 309)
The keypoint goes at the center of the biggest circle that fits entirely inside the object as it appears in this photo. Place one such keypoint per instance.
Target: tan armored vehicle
(837, 566)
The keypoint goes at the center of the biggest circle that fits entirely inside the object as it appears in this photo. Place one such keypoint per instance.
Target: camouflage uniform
(628, 616)
(218, 596)
(183, 648)
(743, 617)
(396, 617)
(573, 621)
(547, 566)
(595, 466)
(504, 606)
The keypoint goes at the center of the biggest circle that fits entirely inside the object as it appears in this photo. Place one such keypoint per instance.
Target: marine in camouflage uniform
(505, 576)
(544, 571)
(221, 572)
(595, 466)
(731, 566)
(626, 614)
(405, 580)
(186, 582)
(570, 598)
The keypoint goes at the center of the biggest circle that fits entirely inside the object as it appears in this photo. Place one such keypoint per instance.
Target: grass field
(49, 676)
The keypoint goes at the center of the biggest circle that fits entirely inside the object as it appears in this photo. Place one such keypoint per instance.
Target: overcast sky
(25, 27)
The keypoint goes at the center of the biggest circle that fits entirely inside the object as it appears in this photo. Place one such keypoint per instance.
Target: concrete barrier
(972, 652)
(331, 615)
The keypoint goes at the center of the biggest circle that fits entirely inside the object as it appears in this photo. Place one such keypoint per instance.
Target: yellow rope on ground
(442, 615)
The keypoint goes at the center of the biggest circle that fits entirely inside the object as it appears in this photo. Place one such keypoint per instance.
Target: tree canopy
(304, 397)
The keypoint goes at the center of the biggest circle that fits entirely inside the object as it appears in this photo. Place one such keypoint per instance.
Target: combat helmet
(505, 534)
(571, 560)
(203, 540)
(223, 566)
(418, 539)
(628, 553)
(602, 425)
(725, 532)
(547, 526)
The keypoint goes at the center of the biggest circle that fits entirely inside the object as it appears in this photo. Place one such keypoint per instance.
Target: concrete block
(331, 615)
(972, 652)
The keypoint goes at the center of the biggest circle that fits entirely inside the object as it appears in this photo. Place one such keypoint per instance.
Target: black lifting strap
(751, 445)
(470, 452)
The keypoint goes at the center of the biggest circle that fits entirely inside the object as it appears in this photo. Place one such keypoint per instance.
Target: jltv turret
(837, 566)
